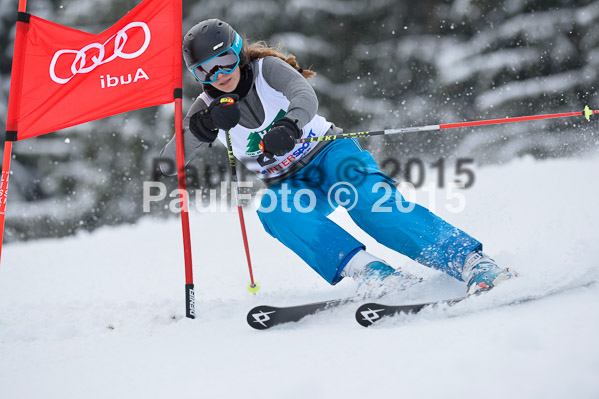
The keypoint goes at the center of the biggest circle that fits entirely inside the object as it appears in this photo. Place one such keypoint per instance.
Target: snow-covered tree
(380, 64)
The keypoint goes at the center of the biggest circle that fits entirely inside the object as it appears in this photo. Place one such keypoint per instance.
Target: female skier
(263, 99)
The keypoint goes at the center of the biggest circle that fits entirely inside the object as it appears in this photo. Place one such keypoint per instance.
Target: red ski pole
(587, 113)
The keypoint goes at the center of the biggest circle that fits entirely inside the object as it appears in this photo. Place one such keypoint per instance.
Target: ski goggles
(224, 62)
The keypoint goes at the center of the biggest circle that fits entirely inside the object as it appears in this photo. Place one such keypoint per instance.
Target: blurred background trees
(380, 64)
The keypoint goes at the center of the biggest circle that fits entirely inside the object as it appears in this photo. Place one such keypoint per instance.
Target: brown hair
(261, 49)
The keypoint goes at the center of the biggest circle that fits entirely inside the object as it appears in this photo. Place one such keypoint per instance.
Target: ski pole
(252, 287)
(587, 113)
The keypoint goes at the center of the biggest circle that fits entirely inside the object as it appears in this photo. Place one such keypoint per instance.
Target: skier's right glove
(280, 139)
(223, 113)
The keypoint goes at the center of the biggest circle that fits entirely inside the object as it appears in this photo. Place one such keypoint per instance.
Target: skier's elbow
(166, 164)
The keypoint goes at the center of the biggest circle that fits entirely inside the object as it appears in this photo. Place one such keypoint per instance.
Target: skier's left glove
(280, 139)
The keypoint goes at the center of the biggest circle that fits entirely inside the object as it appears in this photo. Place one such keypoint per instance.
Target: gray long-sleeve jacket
(303, 106)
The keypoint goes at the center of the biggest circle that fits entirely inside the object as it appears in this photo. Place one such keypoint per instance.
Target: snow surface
(101, 315)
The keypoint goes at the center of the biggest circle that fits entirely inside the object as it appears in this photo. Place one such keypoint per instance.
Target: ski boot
(481, 273)
(379, 279)
(375, 277)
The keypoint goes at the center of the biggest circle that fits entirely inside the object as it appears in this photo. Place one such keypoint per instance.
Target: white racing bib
(246, 141)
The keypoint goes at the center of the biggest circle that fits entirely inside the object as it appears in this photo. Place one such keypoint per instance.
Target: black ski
(263, 317)
(370, 313)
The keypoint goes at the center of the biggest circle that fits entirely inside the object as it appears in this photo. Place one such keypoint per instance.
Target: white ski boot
(481, 273)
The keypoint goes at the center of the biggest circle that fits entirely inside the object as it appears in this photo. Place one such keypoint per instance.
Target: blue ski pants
(295, 212)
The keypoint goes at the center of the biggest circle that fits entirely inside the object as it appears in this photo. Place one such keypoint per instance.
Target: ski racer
(262, 97)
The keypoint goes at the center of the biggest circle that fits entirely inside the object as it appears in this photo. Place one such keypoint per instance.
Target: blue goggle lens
(207, 71)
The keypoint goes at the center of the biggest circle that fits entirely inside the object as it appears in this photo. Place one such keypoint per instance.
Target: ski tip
(253, 288)
(260, 317)
(369, 313)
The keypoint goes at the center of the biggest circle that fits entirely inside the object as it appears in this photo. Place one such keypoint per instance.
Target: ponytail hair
(261, 49)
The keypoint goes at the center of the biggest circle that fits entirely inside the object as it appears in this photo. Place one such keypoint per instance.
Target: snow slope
(101, 315)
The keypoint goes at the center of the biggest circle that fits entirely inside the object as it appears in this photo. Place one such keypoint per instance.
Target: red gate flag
(68, 77)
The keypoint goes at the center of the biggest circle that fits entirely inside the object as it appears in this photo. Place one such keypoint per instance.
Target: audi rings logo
(80, 63)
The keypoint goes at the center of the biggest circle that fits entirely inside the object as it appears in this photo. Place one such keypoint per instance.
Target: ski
(264, 316)
(370, 313)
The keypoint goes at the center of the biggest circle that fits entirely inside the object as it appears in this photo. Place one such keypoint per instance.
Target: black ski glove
(223, 113)
(280, 139)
